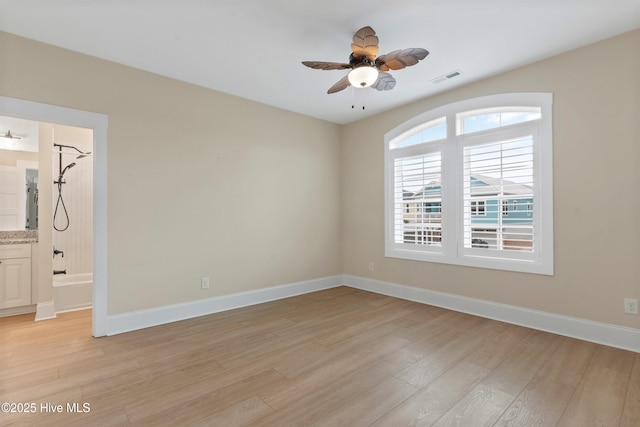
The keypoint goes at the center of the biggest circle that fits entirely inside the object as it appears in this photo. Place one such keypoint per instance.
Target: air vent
(446, 77)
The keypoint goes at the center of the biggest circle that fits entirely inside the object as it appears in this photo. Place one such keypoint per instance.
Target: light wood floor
(340, 357)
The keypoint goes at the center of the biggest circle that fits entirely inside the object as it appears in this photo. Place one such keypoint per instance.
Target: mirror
(31, 209)
(19, 156)
(18, 197)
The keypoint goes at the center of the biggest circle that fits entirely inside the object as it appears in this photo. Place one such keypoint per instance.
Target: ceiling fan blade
(365, 43)
(342, 84)
(398, 59)
(385, 82)
(320, 65)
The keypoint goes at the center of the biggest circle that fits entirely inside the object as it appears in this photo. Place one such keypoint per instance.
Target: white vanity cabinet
(15, 275)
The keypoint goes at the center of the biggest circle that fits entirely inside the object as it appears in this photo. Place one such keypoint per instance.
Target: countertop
(14, 237)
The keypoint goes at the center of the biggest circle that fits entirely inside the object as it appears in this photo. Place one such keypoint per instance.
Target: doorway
(98, 123)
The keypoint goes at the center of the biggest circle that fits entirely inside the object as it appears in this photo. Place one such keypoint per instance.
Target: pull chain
(353, 103)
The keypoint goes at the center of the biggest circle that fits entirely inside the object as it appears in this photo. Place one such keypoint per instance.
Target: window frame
(452, 250)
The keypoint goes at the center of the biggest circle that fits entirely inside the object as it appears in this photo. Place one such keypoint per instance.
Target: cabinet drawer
(21, 250)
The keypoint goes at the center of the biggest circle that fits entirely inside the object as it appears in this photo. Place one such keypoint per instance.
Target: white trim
(14, 311)
(45, 311)
(98, 122)
(587, 330)
(126, 322)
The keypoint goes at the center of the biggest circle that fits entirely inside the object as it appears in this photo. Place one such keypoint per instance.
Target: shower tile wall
(77, 241)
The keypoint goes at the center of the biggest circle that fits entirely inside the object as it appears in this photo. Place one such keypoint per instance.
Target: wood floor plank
(429, 404)
(615, 359)
(337, 357)
(629, 422)
(436, 326)
(434, 336)
(368, 407)
(481, 407)
(494, 352)
(540, 404)
(36, 352)
(521, 365)
(30, 379)
(326, 322)
(632, 401)
(14, 367)
(212, 406)
(362, 324)
(170, 389)
(598, 400)
(569, 363)
(429, 368)
(314, 406)
(238, 415)
(331, 371)
(58, 385)
(309, 361)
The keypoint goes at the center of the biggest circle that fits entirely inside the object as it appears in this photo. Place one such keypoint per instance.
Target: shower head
(83, 155)
(69, 166)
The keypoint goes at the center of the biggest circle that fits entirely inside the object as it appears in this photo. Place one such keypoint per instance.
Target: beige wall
(205, 184)
(199, 183)
(10, 158)
(596, 117)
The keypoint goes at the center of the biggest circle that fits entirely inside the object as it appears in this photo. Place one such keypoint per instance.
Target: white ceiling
(253, 48)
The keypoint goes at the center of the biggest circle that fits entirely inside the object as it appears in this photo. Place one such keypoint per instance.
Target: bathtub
(72, 292)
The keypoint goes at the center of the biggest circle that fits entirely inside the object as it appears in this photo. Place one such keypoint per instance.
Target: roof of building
(481, 185)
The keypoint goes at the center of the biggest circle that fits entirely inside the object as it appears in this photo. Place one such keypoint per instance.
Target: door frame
(40, 112)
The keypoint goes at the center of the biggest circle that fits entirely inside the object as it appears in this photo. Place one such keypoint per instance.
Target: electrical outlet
(204, 282)
(631, 306)
(370, 266)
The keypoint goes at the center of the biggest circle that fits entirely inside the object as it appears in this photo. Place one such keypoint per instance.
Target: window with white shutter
(418, 199)
(471, 184)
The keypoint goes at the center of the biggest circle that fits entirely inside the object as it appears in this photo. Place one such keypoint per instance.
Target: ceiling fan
(366, 69)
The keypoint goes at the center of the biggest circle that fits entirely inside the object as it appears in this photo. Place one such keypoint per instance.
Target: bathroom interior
(46, 218)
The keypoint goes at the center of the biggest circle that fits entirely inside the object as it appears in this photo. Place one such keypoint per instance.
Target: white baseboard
(45, 310)
(126, 322)
(14, 311)
(587, 330)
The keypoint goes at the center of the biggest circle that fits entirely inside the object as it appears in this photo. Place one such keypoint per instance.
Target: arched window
(470, 183)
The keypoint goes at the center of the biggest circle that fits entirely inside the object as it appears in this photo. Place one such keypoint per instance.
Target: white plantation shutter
(498, 168)
(418, 195)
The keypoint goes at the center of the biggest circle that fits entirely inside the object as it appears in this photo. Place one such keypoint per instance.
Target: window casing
(470, 183)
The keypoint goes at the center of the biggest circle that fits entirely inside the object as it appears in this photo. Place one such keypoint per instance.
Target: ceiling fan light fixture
(363, 76)
(9, 135)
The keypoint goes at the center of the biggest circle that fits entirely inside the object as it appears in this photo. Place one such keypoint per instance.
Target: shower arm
(60, 170)
(68, 146)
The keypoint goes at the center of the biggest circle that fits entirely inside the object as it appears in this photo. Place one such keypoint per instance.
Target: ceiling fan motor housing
(360, 62)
